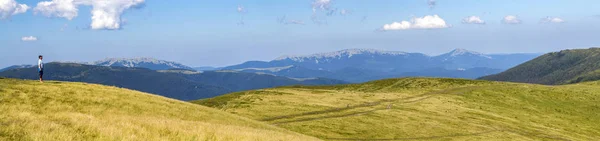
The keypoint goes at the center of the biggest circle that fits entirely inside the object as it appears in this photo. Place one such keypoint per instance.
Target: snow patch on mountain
(272, 69)
(16, 67)
(304, 79)
(136, 62)
(462, 52)
(348, 53)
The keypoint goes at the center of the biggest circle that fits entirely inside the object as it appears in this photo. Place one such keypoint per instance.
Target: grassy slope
(564, 67)
(79, 111)
(424, 109)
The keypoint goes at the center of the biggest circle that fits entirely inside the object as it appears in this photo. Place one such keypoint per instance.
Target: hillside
(425, 109)
(80, 111)
(16, 67)
(177, 84)
(240, 81)
(564, 67)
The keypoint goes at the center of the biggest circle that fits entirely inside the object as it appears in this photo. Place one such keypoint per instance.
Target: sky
(228, 32)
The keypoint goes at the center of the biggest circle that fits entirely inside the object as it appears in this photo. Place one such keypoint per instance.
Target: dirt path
(407, 100)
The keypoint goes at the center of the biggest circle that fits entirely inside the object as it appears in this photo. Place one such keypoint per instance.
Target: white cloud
(321, 5)
(57, 8)
(11, 7)
(285, 21)
(552, 20)
(345, 12)
(431, 3)
(427, 22)
(29, 38)
(511, 19)
(241, 9)
(106, 14)
(473, 20)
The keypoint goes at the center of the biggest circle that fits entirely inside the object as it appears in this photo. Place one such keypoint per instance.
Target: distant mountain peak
(342, 53)
(136, 59)
(461, 52)
(140, 62)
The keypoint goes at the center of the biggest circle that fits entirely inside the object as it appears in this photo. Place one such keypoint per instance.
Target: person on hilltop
(41, 68)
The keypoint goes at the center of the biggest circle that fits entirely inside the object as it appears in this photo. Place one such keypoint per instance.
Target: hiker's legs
(41, 75)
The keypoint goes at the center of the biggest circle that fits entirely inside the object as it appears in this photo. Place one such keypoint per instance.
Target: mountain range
(360, 65)
(353, 65)
(174, 83)
(150, 63)
(140, 62)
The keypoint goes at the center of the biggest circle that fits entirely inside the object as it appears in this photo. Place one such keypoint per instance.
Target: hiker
(41, 68)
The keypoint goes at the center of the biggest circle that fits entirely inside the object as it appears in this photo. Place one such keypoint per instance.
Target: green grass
(425, 109)
(54, 110)
(556, 68)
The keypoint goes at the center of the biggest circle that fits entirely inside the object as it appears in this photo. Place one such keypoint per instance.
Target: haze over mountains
(359, 65)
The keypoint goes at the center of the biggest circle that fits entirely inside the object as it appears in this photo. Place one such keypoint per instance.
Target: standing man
(41, 68)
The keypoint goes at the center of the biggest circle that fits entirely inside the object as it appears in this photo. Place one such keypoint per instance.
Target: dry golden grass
(425, 109)
(78, 111)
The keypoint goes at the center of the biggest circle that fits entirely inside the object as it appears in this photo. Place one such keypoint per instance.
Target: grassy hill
(425, 109)
(564, 67)
(80, 111)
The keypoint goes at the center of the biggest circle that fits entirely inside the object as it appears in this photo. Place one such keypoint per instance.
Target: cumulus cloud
(11, 7)
(426, 22)
(511, 19)
(29, 38)
(552, 20)
(473, 20)
(106, 14)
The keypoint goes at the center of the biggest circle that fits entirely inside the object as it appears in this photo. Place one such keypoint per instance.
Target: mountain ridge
(144, 62)
(562, 67)
(178, 84)
(338, 54)
(377, 63)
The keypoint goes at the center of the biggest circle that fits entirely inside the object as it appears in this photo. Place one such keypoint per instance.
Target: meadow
(425, 109)
(54, 110)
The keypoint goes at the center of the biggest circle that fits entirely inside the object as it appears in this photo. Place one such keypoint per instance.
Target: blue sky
(208, 33)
